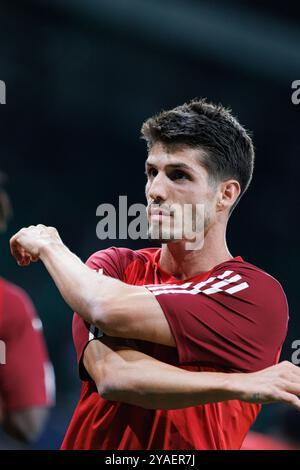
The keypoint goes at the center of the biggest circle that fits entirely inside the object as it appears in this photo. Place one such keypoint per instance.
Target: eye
(178, 175)
(151, 172)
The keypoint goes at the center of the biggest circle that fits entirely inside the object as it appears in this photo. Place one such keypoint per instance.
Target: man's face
(181, 201)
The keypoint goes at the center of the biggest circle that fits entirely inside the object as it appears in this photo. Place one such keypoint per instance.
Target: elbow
(117, 384)
(127, 390)
(112, 392)
(104, 316)
(111, 385)
(108, 392)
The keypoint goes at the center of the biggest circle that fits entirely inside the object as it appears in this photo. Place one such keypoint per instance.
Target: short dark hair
(228, 148)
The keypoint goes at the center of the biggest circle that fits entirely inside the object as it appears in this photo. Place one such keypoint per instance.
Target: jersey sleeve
(235, 320)
(26, 377)
(110, 263)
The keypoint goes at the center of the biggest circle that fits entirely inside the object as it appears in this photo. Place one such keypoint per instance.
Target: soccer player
(27, 385)
(177, 347)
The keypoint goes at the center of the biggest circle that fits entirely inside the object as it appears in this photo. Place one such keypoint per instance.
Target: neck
(184, 264)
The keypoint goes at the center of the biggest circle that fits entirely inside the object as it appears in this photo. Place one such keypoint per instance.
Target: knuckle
(277, 397)
(285, 374)
(281, 373)
(285, 384)
(278, 394)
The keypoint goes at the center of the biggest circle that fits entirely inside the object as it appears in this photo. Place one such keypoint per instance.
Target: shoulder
(17, 307)
(256, 282)
(118, 259)
(248, 270)
(15, 294)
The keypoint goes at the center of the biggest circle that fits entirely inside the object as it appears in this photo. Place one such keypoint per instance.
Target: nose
(157, 189)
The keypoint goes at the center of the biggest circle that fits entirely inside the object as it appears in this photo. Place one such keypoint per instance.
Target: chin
(164, 237)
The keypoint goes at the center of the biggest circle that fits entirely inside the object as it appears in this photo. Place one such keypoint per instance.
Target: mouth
(158, 214)
(158, 217)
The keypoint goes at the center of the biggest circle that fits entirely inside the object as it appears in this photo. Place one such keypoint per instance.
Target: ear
(228, 193)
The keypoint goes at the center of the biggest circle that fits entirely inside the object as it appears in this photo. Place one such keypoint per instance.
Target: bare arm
(123, 374)
(131, 311)
(115, 307)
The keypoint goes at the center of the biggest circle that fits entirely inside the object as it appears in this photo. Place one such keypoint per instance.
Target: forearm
(155, 385)
(168, 389)
(126, 375)
(81, 287)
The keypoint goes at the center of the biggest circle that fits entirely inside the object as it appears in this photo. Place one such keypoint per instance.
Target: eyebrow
(181, 165)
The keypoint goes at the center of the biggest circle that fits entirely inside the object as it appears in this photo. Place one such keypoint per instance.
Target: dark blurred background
(82, 75)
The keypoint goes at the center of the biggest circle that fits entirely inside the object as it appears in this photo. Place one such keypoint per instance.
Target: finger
(13, 243)
(289, 367)
(296, 373)
(25, 261)
(292, 374)
(293, 387)
(21, 256)
(16, 250)
(291, 399)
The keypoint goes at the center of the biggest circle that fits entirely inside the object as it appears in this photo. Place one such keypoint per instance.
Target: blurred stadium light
(241, 37)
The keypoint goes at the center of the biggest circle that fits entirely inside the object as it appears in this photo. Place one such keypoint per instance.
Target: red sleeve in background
(27, 378)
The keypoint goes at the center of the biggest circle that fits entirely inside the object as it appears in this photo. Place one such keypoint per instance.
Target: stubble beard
(159, 234)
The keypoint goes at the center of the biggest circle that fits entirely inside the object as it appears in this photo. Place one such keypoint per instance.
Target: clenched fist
(26, 245)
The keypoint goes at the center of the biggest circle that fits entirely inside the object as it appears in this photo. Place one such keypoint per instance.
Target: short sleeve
(27, 377)
(108, 262)
(235, 320)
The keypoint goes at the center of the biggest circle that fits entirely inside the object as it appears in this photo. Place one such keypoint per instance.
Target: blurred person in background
(27, 383)
(283, 435)
(265, 441)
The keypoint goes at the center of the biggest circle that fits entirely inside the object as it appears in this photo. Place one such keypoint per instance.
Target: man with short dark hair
(177, 346)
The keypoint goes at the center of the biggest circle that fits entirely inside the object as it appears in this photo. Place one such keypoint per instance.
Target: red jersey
(232, 318)
(26, 375)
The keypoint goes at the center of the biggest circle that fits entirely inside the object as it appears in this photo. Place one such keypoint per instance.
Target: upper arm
(131, 313)
(95, 350)
(119, 370)
(239, 325)
(227, 327)
(102, 359)
(135, 313)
